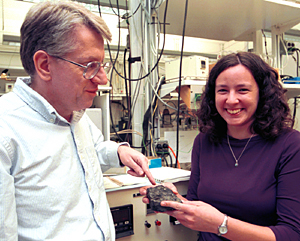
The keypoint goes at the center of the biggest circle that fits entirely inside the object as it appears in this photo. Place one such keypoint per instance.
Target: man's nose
(100, 78)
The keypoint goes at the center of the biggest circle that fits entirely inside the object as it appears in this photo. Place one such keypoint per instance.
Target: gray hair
(49, 26)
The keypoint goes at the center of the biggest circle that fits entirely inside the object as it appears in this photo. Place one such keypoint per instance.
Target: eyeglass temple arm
(80, 65)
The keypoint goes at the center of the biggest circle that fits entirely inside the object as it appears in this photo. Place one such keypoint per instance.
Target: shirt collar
(40, 104)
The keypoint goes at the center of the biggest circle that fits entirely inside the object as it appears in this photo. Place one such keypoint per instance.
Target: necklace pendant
(237, 160)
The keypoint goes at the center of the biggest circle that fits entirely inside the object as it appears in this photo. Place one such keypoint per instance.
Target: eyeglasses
(92, 68)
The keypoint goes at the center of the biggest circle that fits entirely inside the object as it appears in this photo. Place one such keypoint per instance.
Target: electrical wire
(117, 14)
(286, 51)
(179, 86)
(161, 100)
(157, 4)
(136, 94)
(127, 94)
(144, 8)
(297, 70)
(128, 131)
(114, 62)
(147, 115)
(156, 64)
(127, 17)
(266, 49)
(177, 164)
(125, 72)
(130, 106)
(295, 108)
(131, 102)
(165, 160)
(99, 8)
(151, 141)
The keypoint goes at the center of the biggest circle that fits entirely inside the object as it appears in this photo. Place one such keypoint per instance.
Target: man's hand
(136, 161)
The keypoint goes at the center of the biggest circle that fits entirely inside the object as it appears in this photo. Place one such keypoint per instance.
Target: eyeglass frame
(99, 64)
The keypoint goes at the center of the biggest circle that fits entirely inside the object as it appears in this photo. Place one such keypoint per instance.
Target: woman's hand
(143, 191)
(196, 215)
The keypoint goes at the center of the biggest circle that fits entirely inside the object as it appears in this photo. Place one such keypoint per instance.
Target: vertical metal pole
(136, 42)
(258, 42)
(155, 77)
(143, 43)
(2, 20)
(275, 47)
(147, 62)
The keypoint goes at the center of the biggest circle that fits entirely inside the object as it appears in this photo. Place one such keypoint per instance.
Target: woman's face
(236, 97)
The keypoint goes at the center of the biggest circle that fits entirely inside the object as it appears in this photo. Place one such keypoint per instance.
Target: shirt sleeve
(8, 214)
(288, 190)
(107, 151)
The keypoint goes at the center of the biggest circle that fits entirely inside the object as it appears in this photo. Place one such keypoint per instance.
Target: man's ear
(41, 61)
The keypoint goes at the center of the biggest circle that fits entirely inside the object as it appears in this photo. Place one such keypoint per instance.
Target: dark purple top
(264, 189)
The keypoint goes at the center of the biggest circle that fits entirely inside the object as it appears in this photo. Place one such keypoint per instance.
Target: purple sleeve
(288, 191)
(195, 174)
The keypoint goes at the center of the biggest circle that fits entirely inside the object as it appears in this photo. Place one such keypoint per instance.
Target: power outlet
(162, 148)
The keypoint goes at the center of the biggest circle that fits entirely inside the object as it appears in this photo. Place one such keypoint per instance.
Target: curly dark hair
(272, 115)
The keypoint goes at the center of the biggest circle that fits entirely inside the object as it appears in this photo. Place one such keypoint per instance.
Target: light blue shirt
(51, 184)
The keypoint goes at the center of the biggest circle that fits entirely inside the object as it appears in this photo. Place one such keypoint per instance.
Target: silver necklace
(237, 160)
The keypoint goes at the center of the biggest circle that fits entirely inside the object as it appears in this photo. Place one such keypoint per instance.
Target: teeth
(234, 111)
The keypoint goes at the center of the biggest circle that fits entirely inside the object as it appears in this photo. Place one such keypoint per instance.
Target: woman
(245, 177)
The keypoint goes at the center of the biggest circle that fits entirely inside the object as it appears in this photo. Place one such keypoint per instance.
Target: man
(51, 155)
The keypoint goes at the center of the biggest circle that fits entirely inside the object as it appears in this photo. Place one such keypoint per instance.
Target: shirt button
(52, 120)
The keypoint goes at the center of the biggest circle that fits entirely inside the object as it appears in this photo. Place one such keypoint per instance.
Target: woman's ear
(42, 65)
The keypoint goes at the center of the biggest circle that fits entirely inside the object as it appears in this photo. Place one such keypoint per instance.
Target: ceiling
(229, 19)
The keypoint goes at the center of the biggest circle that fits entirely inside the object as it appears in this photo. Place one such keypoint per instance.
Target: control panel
(145, 224)
(123, 220)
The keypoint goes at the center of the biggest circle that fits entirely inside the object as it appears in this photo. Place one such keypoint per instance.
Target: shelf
(293, 90)
(104, 88)
(170, 87)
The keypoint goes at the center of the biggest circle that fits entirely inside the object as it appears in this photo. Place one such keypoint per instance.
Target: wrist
(120, 163)
(119, 150)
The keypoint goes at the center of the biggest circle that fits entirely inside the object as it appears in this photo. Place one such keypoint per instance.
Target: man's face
(70, 91)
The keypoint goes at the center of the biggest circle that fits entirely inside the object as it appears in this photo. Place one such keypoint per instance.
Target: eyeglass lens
(107, 67)
(93, 67)
(91, 70)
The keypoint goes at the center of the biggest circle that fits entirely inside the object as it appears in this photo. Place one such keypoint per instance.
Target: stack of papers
(123, 180)
(170, 174)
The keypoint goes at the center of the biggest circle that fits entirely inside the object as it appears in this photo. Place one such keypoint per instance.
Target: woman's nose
(232, 97)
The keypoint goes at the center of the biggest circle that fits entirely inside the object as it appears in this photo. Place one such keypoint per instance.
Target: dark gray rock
(161, 193)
